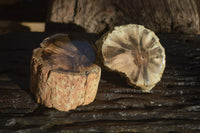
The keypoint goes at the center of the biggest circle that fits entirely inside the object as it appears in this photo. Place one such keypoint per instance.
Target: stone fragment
(63, 75)
(135, 52)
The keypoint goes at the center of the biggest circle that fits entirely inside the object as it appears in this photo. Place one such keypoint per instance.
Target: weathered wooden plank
(172, 106)
(12, 100)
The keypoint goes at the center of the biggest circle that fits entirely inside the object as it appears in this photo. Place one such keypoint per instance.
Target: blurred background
(22, 15)
(160, 16)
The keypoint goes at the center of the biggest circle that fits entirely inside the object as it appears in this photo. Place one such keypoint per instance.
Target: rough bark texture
(172, 106)
(97, 16)
(54, 86)
(198, 9)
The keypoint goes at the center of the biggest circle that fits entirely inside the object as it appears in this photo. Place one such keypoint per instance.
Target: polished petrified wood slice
(135, 52)
(63, 75)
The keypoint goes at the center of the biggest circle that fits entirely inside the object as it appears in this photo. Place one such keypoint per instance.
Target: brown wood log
(198, 9)
(135, 52)
(63, 75)
(97, 16)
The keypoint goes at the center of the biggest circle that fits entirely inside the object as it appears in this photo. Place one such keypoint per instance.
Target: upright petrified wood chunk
(135, 52)
(63, 75)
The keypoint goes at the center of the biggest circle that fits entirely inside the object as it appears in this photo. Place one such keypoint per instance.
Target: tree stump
(97, 16)
(63, 75)
(135, 52)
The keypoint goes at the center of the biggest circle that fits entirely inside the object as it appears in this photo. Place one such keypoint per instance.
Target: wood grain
(97, 16)
(172, 106)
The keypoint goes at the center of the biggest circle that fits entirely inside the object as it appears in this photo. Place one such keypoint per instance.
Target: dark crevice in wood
(75, 9)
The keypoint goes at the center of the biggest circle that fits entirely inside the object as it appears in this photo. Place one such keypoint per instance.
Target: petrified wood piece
(96, 16)
(135, 52)
(63, 75)
(172, 106)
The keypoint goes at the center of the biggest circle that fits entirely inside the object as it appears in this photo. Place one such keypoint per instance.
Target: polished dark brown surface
(172, 106)
(62, 53)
